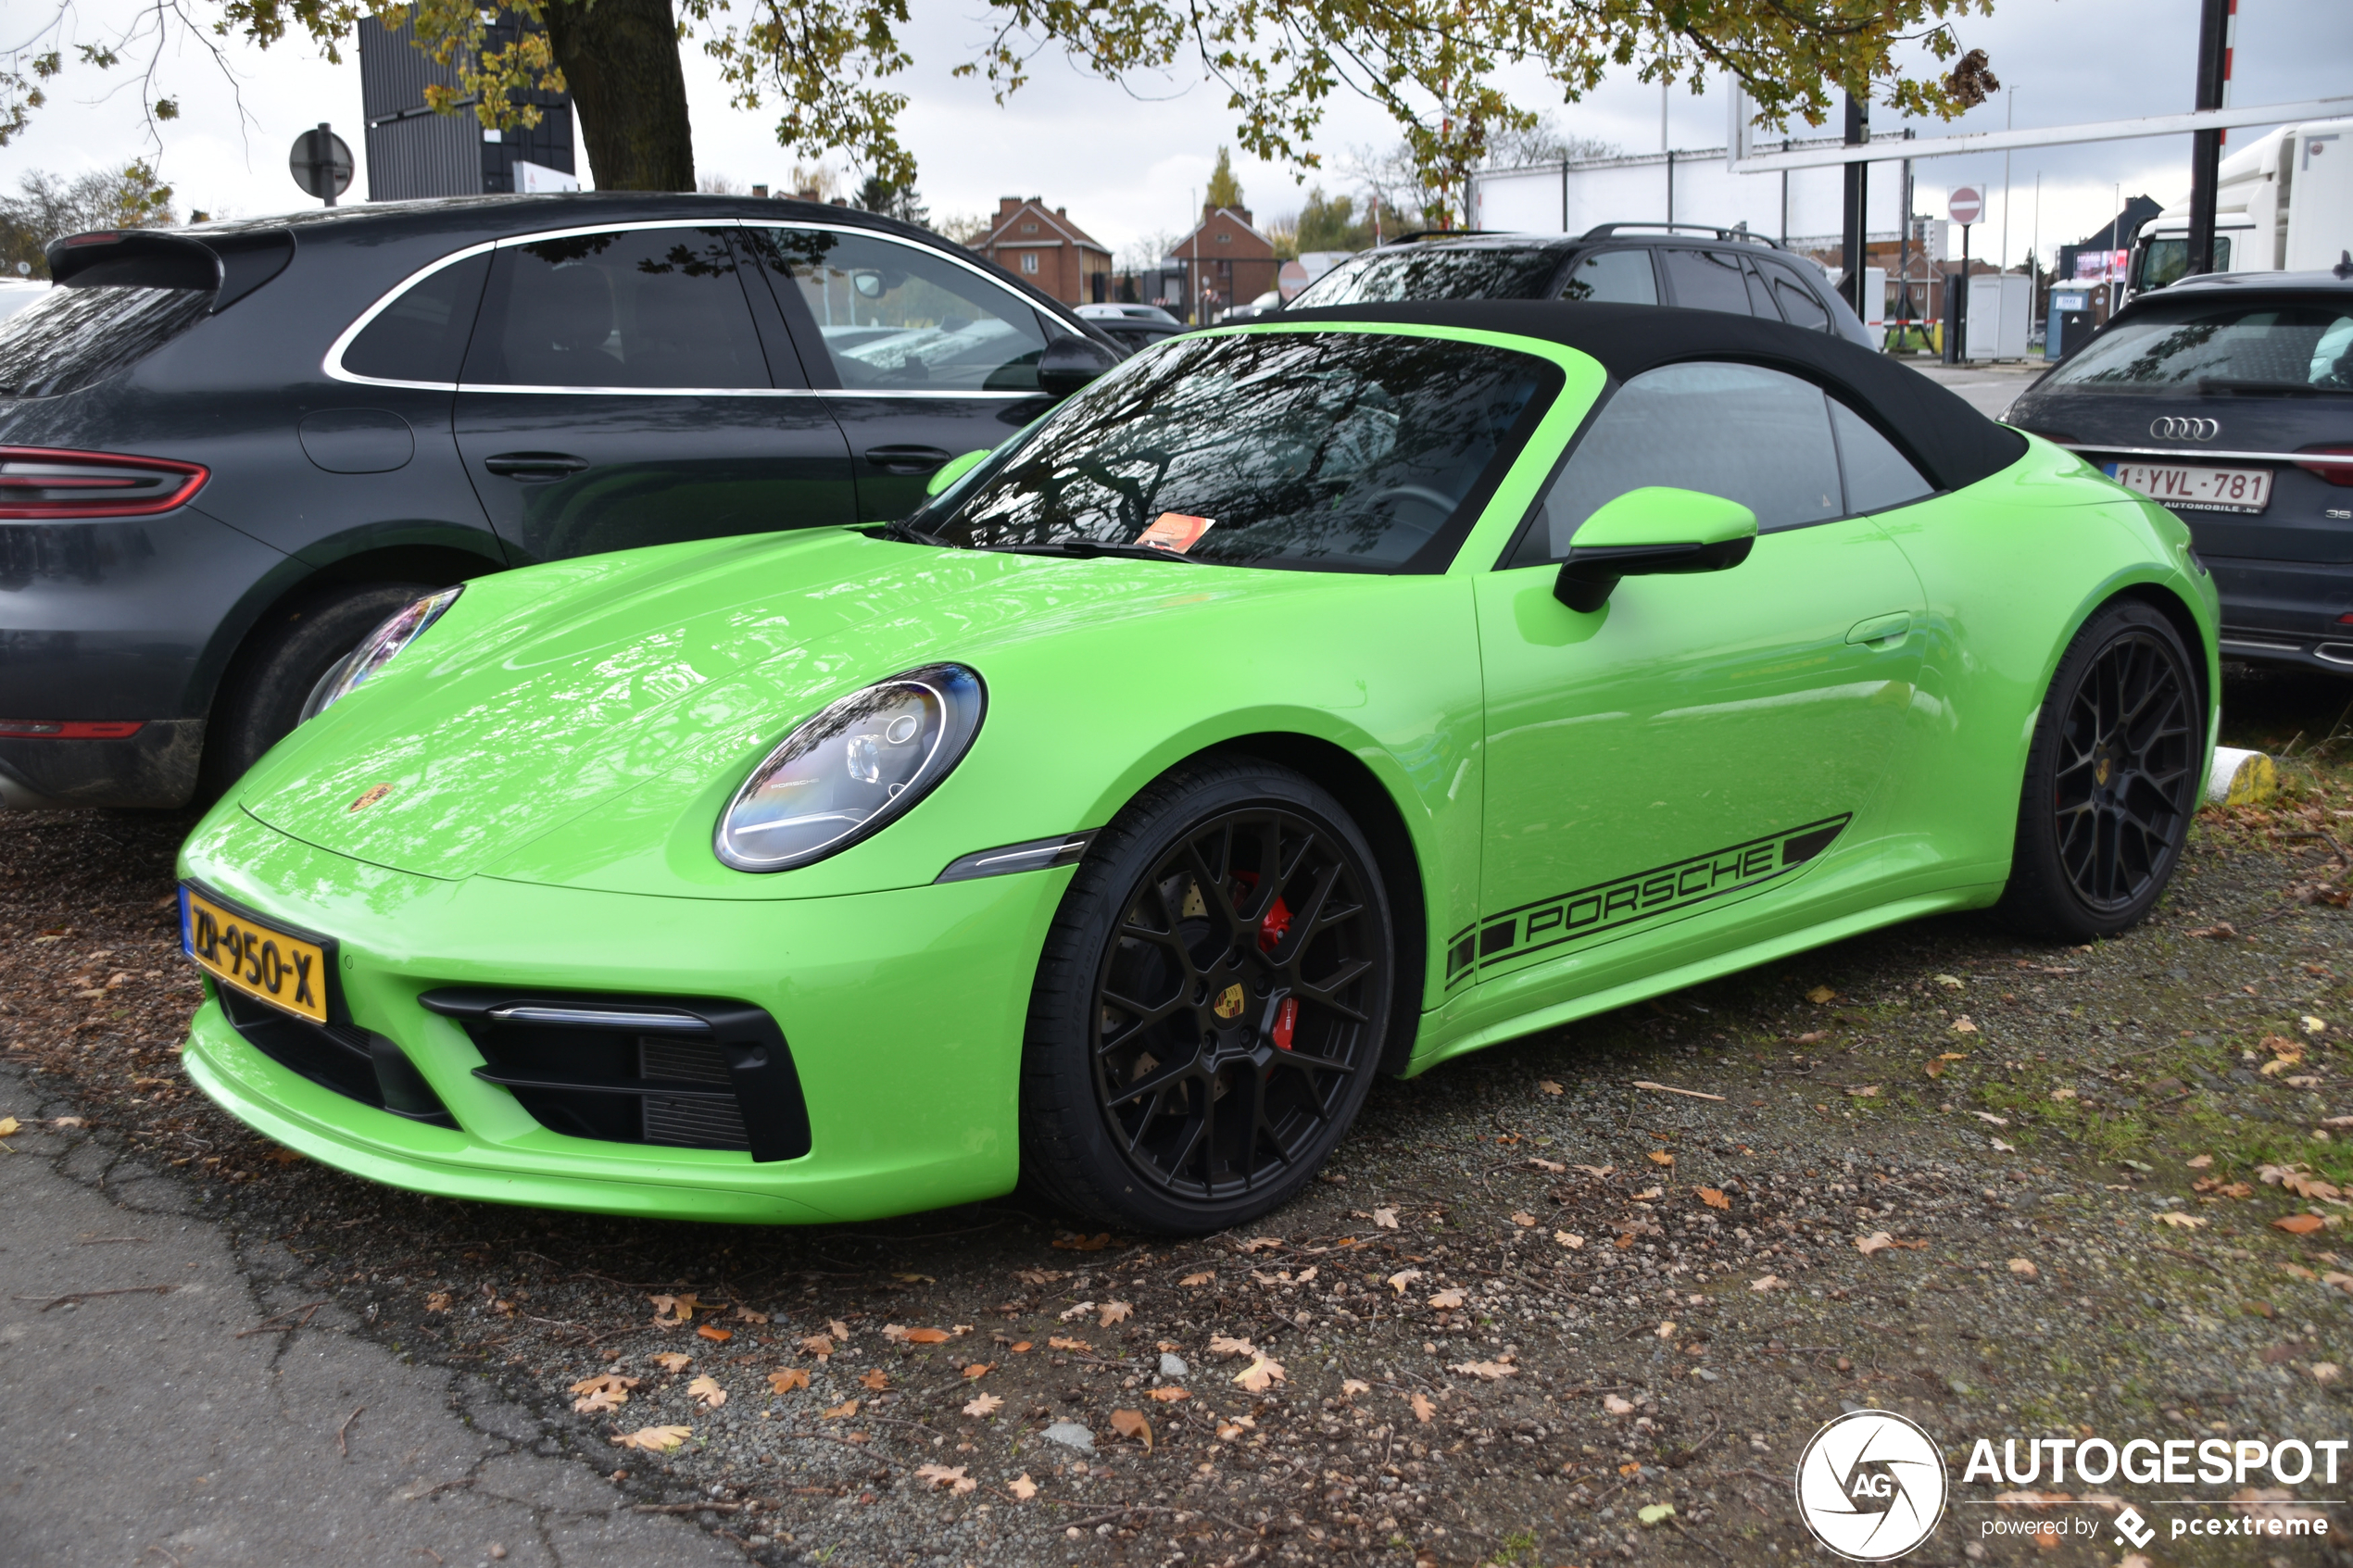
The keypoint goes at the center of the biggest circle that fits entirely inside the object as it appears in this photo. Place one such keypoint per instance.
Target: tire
(267, 682)
(2112, 780)
(1169, 965)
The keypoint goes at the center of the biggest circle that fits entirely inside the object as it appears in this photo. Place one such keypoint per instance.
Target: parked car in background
(1265, 304)
(2229, 397)
(228, 452)
(1697, 266)
(1131, 326)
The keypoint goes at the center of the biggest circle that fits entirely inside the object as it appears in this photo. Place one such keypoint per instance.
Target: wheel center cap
(1228, 1003)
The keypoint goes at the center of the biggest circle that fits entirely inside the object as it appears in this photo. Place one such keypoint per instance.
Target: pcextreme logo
(1871, 1486)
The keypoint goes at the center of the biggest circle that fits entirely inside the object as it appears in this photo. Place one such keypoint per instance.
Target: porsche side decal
(1612, 905)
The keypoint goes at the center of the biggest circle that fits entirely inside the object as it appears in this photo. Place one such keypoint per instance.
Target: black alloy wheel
(1238, 965)
(2112, 781)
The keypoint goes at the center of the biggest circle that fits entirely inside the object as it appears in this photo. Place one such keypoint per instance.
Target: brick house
(1227, 262)
(1046, 249)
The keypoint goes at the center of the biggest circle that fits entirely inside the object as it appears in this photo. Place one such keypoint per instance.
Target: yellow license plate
(261, 962)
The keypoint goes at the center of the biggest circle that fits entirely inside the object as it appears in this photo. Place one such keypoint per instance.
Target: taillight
(40, 481)
(2337, 470)
(69, 729)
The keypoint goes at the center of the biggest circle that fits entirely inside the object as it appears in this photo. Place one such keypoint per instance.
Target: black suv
(228, 452)
(1697, 266)
(2230, 398)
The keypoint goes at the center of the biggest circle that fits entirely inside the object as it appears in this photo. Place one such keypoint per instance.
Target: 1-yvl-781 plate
(2198, 489)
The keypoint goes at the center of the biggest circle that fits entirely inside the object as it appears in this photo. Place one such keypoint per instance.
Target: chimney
(761, 191)
(1008, 206)
(1062, 212)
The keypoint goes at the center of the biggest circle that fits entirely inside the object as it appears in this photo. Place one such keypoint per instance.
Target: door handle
(534, 466)
(907, 459)
(1881, 628)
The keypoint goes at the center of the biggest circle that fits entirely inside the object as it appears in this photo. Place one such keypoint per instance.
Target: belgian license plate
(266, 962)
(2200, 489)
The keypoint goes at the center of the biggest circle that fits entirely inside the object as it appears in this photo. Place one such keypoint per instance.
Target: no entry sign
(1966, 206)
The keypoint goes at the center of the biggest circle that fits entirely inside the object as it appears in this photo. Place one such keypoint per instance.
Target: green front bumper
(903, 1011)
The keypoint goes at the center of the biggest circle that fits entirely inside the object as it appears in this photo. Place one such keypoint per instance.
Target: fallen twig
(271, 1325)
(340, 1447)
(459, 1485)
(93, 1295)
(1671, 1090)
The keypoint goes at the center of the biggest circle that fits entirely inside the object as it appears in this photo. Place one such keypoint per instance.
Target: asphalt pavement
(172, 1403)
(1986, 388)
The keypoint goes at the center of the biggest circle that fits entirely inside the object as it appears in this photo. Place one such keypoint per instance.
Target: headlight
(853, 769)
(376, 650)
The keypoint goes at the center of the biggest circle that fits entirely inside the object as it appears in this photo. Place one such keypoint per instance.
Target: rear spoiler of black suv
(232, 264)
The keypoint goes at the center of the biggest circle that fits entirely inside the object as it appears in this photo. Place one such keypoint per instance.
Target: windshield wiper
(907, 534)
(2271, 388)
(1086, 549)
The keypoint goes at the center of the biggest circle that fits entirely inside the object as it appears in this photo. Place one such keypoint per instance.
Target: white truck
(2284, 204)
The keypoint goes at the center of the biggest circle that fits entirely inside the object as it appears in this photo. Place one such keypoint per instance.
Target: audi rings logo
(2184, 427)
(1871, 1486)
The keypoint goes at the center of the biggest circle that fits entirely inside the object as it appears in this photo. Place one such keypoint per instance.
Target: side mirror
(1654, 529)
(1070, 362)
(951, 471)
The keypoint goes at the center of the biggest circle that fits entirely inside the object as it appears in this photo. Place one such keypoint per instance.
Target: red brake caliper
(1270, 935)
(1286, 1020)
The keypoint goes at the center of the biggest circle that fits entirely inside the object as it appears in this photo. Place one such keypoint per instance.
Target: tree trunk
(620, 58)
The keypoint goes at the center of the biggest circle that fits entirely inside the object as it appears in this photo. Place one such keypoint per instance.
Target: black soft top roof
(1953, 442)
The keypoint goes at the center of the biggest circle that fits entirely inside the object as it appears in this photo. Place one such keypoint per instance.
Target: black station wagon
(228, 452)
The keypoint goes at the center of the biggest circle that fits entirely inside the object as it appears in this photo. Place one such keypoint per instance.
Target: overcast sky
(1131, 164)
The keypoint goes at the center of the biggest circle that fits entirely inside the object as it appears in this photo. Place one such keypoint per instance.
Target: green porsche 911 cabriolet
(1299, 702)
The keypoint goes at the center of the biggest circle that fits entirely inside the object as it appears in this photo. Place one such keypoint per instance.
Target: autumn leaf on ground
(1548, 1086)
(1261, 1244)
(1597, 1172)
(1170, 1396)
(1525, 1222)
(1078, 1310)
(283, 1155)
(843, 1410)
(1401, 1278)
(952, 1478)
(2180, 1221)
(1934, 1070)
(1204, 1278)
(707, 1390)
(672, 1360)
(1877, 1241)
(1020, 1347)
(926, 1336)
(1964, 1026)
(1665, 1330)
(1862, 1091)
(745, 1315)
(1989, 1116)
(1058, 1343)
(2201, 1162)
(608, 1382)
(1487, 1372)
(1083, 1243)
(1423, 1409)
(1572, 1242)
(1950, 981)
(1713, 1197)
(1385, 1219)
(1660, 1156)
(1447, 1299)
(717, 1336)
(598, 1400)
(1113, 1311)
(979, 1369)
(1821, 993)
(1023, 1488)
(1131, 1424)
(1038, 1276)
(437, 1303)
(1352, 1387)
(1550, 1166)
(1221, 1345)
(984, 1404)
(2021, 1266)
(654, 1439)
(10, 1126)
(792, 1377)
(1770, 1282)
(673, 1312)
(1260, 1374)
(2298, 1224)
(1616, 1406)
(877, 1380)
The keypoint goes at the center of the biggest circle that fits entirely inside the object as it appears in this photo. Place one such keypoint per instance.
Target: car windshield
(75, 336)
(2233, 348)
(1406, 272)
(1331, 451)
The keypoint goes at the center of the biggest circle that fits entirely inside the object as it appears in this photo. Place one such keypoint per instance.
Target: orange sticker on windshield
(1176, 530)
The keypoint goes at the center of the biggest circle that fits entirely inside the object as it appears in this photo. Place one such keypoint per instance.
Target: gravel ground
(1535, 1296)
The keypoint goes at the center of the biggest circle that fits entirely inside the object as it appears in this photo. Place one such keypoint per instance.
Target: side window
(1760, 297)
(1706, 280)
(1799, 306)
(893, 317)
(635, 308)
(1752, 435)
(422, 335)
(1615, 277)
(1878, 476)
